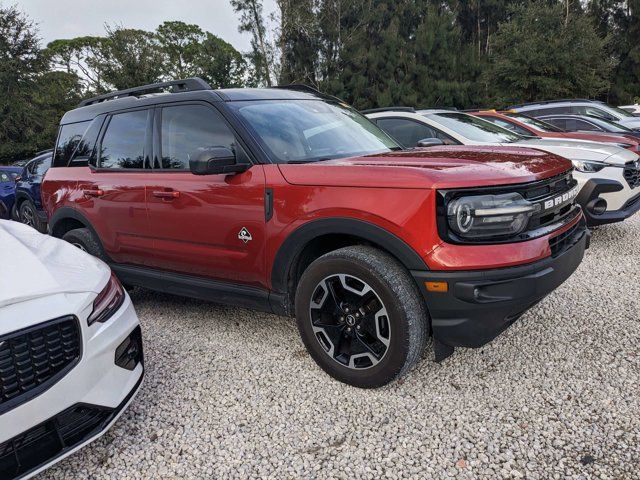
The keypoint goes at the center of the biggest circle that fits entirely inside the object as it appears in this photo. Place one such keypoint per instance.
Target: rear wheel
(83, 239)
(29, 216)
(361, 316)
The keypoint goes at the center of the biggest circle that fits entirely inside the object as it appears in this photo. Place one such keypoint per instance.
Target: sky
(75, 18)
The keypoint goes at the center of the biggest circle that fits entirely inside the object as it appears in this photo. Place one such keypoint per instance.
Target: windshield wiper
(298, 162)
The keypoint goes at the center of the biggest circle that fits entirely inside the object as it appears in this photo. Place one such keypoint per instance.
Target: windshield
(532, 122)
(474, 128)
(617, 112)
(609, 125)
(302, 131)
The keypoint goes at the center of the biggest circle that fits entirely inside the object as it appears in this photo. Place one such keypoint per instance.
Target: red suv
(289, 201)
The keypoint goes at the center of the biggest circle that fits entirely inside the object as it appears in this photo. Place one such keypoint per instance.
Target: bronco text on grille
(35, 358)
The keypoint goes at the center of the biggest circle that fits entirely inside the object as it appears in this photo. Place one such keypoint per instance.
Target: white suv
(608, 176)
(70, 350)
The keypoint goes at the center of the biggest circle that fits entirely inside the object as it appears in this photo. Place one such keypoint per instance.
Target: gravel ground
(231, 393)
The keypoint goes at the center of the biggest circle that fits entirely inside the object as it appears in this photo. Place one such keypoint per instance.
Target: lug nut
(341, 319)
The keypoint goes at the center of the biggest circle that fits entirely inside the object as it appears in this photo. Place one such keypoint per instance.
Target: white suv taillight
(108, 301)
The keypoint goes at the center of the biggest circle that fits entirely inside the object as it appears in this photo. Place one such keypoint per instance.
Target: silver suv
(579, 107)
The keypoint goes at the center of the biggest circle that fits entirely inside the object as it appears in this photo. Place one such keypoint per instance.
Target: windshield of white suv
(617, 112)
(474, 128)
(305, 131)
(532, 122)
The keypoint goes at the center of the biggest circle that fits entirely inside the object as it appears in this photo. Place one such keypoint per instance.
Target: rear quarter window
(70, 143)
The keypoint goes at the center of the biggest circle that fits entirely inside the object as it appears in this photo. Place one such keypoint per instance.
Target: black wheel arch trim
(294, 244)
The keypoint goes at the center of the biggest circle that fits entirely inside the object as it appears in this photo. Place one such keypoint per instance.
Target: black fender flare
(299, 238)
(65, 213)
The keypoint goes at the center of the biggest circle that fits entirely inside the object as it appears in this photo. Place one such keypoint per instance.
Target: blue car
(28, 207)
(8, 177)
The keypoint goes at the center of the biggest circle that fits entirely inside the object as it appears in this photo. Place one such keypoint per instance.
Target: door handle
(93, 192)
(170, 195)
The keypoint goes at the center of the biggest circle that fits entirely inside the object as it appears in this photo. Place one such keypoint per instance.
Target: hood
(435, 167)
(630, 122)
(582, 150)
(36, 265)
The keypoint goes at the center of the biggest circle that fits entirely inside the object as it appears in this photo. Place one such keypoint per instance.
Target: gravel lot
(231, 393)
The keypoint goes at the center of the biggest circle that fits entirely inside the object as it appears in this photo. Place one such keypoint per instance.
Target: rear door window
(124, 143)
(557, 122)
(586, 126)
(188, 130)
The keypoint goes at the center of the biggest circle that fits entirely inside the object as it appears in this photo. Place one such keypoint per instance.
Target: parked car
(70, 350)
(8, 177)
(608, 176)
(534, 127)
(633, 109)
(578, 107)
(28, 205)
(288, 201)
(589, 123)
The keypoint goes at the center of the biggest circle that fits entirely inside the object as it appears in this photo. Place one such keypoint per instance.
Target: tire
(29, 216)
(84, 240)
(387, 338)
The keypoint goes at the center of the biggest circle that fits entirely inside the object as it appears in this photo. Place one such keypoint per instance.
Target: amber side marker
(437, 286)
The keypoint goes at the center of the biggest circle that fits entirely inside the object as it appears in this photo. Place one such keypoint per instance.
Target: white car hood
(582, 150)
(35, 265)
(630, 122)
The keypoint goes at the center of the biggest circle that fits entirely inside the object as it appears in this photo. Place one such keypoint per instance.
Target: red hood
(593, 137)
(436, 167)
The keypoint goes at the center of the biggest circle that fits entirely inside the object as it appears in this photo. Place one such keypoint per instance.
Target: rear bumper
(479, 305)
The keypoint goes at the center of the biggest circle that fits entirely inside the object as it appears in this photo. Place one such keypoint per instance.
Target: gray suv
(579, 107)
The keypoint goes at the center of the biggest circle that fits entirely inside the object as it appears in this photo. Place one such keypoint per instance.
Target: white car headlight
(588, 166)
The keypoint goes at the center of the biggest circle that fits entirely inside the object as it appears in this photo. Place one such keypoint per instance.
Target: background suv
(289, 201)
(540, 127)
(579, 107)
(589, 123)
(28, 204)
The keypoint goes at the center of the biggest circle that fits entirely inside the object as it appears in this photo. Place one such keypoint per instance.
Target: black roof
(188, 89)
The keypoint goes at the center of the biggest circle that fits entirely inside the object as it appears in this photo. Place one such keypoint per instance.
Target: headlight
(490, 215)
(588, 166)
(108, 301)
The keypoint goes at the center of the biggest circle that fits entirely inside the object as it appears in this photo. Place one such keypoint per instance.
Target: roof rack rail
(185, 85)
(389, 109)
(546, 102)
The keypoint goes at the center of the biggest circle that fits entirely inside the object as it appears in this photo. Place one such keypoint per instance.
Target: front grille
(566, 239)
(35, 358)
(50, 439)
(550, 188)
(632, 174)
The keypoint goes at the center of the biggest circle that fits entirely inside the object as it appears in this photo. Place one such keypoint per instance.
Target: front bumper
(479, 305)
(622, 201)
(78, 408)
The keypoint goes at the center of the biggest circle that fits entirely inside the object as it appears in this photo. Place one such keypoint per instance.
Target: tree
(130, 57)
(262, 53)
(299, 42)
(181, 45)
(221, 65)
(81, 56)
(539, 54)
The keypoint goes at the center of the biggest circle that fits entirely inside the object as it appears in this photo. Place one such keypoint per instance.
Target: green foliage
(556, 56)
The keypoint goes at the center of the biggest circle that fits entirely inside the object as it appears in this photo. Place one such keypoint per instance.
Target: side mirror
(216, 161)
(430, 142)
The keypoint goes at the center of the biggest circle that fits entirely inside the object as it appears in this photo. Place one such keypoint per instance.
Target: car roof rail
(389, 109)
(560, 100)
(185, 85)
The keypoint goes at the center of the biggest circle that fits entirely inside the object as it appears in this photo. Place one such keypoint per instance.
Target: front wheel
(361, 316)
(29, 216)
